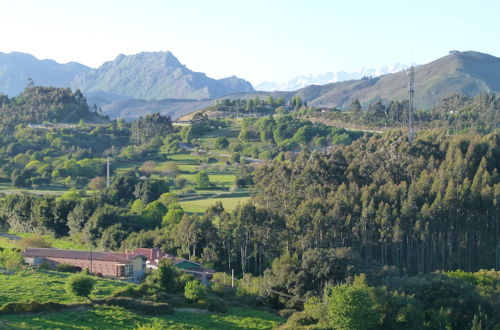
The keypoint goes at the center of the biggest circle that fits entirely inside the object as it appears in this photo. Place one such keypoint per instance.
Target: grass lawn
(43, 190)
(58, 243)
(200, 205)
(226, 180)
(124, 166)
(45, 285)
(119, 318)
(7, 243)
(185, 158)
(186, 168)
(229, 132)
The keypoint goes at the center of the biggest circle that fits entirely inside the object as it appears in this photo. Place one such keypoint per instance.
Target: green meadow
(119, 318)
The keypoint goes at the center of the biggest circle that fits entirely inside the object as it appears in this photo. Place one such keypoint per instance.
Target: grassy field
(44, 285)
(200, 205)
(44, 190)
(224, 180)
(59, 243)
(119, 318)
(7, 243)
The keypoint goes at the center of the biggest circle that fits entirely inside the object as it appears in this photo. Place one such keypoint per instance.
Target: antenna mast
(411, 92)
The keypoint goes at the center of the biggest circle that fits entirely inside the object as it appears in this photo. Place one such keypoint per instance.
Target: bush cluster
(30, 307)
(140, 306)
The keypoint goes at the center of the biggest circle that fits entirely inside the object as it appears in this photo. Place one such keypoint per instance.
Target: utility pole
(411, 92)
(90, 258)
(107, 172)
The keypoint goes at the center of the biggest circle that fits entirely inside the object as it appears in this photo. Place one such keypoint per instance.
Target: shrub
(202, 180)
(11, 259)
(214, 304)
(30, 307)
(350, 307)
(221, 143)
(195, 291)
(299, 320)
(97, 183)
(221, 283)
(286, 313)
(140, 306)
(155, 325)
(166, 279)
(67, 268)
(266, 154)
(180, 182)
(315, 308)
(131, 291)
(80, 285)
(35, 241)
(235, 157)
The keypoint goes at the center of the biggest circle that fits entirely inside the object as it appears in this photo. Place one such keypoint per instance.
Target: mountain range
(466, 73)
(147, 75)
(133, 85)
(326, 78)
(16, 68)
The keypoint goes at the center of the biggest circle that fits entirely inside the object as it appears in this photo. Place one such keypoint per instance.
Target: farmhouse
(155, 255)
(127, 266)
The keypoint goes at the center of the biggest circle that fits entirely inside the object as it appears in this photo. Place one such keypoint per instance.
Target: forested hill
(40, 104)
(468, 73)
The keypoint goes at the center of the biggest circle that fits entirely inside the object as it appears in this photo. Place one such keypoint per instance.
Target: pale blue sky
(254, 39)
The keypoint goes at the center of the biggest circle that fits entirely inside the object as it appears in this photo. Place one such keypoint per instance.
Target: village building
(155, 255)
(126, 266)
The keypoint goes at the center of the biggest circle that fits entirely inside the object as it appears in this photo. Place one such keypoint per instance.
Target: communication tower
(411, 92)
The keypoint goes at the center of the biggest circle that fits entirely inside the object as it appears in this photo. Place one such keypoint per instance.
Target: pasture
(119, 318)
(45, 285)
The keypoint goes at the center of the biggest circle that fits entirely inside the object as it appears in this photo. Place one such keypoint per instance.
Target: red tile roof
(85, 255)
(151, 254)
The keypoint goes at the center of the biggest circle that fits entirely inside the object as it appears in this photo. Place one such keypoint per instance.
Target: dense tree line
(253, 106)
(33, 156)
(145, 128)
(444, 300)
(290, 133)
(39, 104)
(434, 205)
(457, 113)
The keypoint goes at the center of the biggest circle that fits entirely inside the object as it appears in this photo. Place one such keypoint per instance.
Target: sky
(258, 40)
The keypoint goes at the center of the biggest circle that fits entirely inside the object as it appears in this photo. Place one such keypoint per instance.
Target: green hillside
(36, 105)
(119, 318)
(466, 73)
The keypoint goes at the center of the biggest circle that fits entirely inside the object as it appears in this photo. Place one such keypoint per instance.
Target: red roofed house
(129, 266)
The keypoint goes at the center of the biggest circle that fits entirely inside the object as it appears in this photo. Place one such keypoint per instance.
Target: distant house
(127, 266)
(155, 255)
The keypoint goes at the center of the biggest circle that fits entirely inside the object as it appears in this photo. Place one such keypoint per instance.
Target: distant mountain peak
(171, 60)
(155, 76)
(327, 78)
(17, 67)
